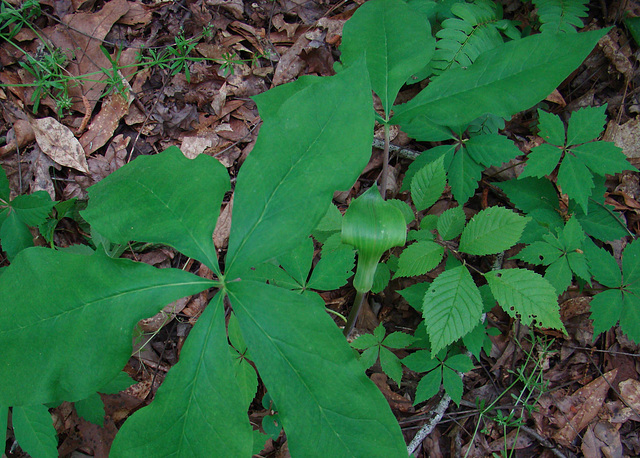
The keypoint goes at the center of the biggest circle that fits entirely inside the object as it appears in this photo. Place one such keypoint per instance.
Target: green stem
(355, 311)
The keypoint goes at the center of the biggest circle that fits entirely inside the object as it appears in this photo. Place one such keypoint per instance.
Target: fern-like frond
(475, 29)
(561, 15)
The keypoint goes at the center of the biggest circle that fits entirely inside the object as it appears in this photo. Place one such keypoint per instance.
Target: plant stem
(385, 163)
(355, 311)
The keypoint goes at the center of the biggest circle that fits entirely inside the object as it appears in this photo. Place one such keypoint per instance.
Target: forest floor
(555, 394)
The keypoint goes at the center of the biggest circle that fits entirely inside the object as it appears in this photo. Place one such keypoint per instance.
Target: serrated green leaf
(405, 208)
(452, 307)
(331, 221)
(414, 294)
(421, 361)
(425, 158)
(420, 236)
(530, 194)
(463, 175)
(391, 365)
(369, 357)
(452, 384)
(381, 278)
(551, 128)
(539, 253)
(34, 208)
(333, 270)
(396, 41)
(601, 222)
(429, 222)
(165, 198)
(630, 316)
(364, 341)
(277, 207)
(559, 275)
(541, 161)
(631, 263)
(460, 363)
(428, 386)
(578, 264)
(398, 340)
(491, 231)
(419, 258)
(48, 301)
(379, 332)
(34, 431)
(428, 184)
(91, 409)
(575, 180)
(586, 124)
(494, 82)
(474, 340)
(525, 294)
(451, 222)
(199, 409)
(603, 266)
(292, 340)
(602, 157)
(5, 191)
(606, 308)
(572, 235)
(491, 149)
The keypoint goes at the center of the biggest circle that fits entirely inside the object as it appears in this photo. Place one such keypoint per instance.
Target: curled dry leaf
(59, 143)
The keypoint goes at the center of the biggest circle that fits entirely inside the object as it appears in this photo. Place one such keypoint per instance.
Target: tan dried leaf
(58, 142)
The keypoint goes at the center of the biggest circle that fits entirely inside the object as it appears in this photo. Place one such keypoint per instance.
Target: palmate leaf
(292, 340)
(277, 207)
(525, 294)
(502, 81)
(164, 198)
(491, 231)
(198, 410)
(86, 299)
(395, 41)
(451, 308)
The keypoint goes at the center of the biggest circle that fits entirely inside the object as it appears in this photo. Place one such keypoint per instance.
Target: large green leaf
(165, 198)
(326, 403)
(63, 313)
(525, 294)
(502, 81)
(491, 231)
(395, 40)
(451, 308)
(198, 410)
(317, 142)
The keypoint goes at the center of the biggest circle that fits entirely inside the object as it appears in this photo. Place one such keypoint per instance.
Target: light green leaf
(405, 208)
(575, 180)
(602, 157)
(331, 221)
(49, 300)
(165, 198)
(419, 258)
(586, 124)
(427, 185)
(199, 409)
(414, 294)
(541, 161)
(391, 365)
(381, 278)
(277, 207)
(452, 307)
(292, 340)
(426, 158)
(333, 270)
(530, 194)
(91, 409)
(491, 231)
(372, 226)
(451, 223)
(460, 363)
(428, 386)
(491, 149)
(452, 384)
(551, 128)
(463, 175)
(396, 41)
(34, 431)
(525, 294)
(494, 82)
(398, 340)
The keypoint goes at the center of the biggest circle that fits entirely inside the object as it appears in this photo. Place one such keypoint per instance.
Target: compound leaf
(199, 409)
(561, 15)
(86, 299)
(165, 198)
(576, 180)
(292, 340)
(428, 386)
(525, 294)
(276, 207)
(395, 40)
(451, 308)
(494, 82)
(491, 231)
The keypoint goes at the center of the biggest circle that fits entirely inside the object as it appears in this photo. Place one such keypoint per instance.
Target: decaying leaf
(58, 142)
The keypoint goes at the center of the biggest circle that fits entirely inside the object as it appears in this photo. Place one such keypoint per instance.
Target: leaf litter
(591, 401)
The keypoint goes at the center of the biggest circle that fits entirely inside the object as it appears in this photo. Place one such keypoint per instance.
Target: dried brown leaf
(59, 143)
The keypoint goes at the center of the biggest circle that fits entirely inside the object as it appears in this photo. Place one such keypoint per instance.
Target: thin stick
(355, 311)
(440, 409)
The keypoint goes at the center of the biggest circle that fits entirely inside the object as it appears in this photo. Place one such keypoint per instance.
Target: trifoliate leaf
(451, 223)
(491, 231)
(427, 185)
(525, 294)
(419, 258)
(452, 307)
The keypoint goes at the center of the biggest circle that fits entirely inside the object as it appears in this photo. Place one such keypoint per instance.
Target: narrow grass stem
(355, 311)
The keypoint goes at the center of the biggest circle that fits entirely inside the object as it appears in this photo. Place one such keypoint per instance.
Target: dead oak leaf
(59, 143)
